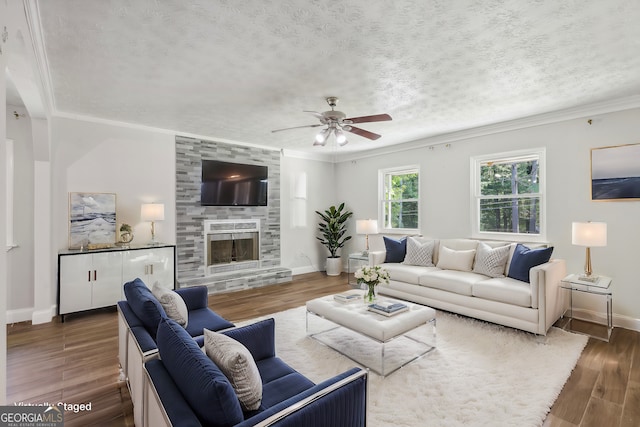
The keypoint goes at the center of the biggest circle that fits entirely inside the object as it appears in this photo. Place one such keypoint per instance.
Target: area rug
(480, 374)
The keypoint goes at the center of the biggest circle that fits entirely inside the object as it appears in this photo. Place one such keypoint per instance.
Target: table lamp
(589, 234)
(366, 227)
(152, 212)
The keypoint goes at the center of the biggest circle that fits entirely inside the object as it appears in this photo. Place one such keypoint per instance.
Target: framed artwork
(615, 173)
(92, 220)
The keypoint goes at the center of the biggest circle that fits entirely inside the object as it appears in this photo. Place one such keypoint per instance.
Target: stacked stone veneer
(190, 216)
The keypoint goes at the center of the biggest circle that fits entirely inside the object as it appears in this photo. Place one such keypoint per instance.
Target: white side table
(356, 260)
(600, 287)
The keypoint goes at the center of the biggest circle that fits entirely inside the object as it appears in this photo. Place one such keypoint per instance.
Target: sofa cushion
(524, 259)
(459, 282)
(235, 361)
(200, 381)
(396, 249)
(455, 260)
(406, 273)
(172, 303)
(144, 305)
(283, 388)
(504, 289)
(419, 252)
(491, 261)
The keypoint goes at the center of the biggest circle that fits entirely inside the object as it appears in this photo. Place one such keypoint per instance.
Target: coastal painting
(615, 173)
(92, 220)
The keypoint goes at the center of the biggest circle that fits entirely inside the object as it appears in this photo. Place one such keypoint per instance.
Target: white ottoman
(383, 344)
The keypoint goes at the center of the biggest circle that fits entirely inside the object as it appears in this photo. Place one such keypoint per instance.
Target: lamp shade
(366, 226)
(152, 212)
(589, 234)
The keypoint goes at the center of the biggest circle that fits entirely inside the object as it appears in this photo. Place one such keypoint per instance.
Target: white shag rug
(480, 374)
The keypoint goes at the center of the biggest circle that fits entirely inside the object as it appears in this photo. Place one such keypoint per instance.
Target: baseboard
(44, 316)
(619, 320)
(19, 315)
(303, 270)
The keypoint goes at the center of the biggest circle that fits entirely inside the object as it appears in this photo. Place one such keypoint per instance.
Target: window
(508, 195)
(399, 198)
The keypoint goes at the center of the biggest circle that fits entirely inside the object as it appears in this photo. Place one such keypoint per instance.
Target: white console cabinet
(88, 280)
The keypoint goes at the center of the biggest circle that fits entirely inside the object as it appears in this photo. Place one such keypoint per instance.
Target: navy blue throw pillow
(396, 249)
(525, 258)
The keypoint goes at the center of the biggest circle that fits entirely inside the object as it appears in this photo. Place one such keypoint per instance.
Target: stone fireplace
(231, 245)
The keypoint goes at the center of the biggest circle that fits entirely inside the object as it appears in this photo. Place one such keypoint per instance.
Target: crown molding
(605, 107)
(34, 25)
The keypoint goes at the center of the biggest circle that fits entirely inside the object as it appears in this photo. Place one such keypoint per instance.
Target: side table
(356, 260)
(600, 287)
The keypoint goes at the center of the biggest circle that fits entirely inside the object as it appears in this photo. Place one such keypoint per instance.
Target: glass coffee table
(380, 343)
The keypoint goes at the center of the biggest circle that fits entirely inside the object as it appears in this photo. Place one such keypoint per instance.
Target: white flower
(372, 275)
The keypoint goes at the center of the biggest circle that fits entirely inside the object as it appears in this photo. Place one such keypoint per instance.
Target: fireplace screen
(226, 248)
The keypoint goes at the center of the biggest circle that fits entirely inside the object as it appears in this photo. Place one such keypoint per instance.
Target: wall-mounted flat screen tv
(233, 184)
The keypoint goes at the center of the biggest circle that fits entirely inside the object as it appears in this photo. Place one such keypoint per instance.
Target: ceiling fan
(336, 122)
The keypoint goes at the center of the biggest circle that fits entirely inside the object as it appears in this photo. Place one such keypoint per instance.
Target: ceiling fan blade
(298, 127)
(315, 113)
(367, 119)
(362, 132)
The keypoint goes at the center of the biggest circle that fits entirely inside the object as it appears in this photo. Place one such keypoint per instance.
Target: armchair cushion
(172, 303)
(235, 361)
(200, 381)
(202, 318)
(144, 305)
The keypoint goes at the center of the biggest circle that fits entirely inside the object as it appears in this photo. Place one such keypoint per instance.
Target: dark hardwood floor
(77, 361)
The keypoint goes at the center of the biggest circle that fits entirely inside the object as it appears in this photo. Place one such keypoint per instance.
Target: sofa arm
(338, 402)
(259, 338)
(545, 281)
(195, 297)
(377, 257)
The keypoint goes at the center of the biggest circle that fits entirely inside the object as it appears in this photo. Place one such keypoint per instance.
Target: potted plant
(332, 230)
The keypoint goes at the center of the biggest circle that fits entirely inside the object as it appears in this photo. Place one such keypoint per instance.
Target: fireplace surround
(231, 245)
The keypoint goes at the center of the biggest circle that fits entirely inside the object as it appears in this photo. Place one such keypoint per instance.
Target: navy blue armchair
(185, 388)
(138, 320)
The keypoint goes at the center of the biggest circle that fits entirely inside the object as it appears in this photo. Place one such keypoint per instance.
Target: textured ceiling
(239, 69)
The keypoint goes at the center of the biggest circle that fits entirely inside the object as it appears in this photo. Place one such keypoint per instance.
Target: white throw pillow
(455, 260)
(491, 261)
(237, 364)
(419, 252)
(172, 303)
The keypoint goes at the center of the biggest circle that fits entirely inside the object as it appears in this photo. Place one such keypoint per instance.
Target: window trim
(381, 201)
(475, 196)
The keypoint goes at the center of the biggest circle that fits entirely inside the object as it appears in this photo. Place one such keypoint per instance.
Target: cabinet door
(76, 282)
(161, 267)
(107, 279)
(150, 265)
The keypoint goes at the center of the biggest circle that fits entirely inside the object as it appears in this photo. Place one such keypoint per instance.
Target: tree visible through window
(400, 198)
(509, 196)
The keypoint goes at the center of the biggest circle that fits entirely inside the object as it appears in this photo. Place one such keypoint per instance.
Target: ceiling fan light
(341, 138)
(321, 137)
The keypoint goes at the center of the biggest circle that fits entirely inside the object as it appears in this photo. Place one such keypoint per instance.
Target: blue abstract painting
(615, 173)
(92, 219)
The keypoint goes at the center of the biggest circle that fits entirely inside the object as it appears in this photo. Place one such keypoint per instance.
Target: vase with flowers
(371, 276)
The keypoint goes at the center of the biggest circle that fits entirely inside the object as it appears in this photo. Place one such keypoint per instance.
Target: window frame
(382, 174)
(476, 163)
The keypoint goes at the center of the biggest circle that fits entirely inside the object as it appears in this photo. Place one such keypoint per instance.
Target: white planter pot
(334, 266)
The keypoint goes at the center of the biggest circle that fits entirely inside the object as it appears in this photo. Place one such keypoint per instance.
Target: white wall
(20, 267)
(445, 195)
(4, 23)
(138, 165)
(307, 186)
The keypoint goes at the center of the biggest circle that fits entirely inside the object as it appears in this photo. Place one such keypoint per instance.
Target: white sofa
(532, 307)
